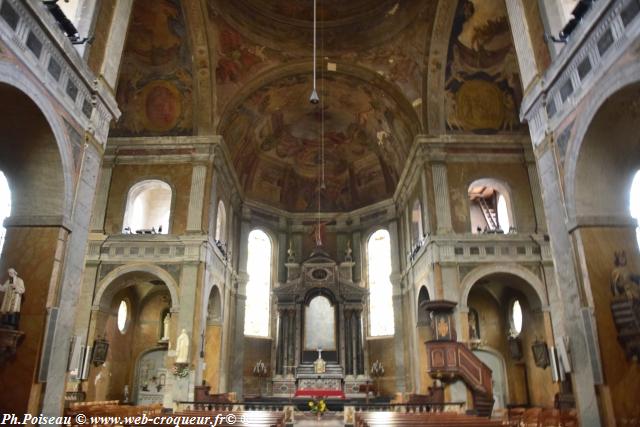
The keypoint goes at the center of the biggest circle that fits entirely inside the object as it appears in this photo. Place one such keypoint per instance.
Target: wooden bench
(253, 418)
(435, 419)
(540, 417)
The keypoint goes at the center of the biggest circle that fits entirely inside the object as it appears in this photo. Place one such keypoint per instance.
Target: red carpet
(316, 392)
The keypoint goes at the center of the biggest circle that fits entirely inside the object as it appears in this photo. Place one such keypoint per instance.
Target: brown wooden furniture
(435, 419)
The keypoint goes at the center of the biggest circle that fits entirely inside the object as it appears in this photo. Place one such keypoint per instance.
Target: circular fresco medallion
(480, 105)
(162, 105)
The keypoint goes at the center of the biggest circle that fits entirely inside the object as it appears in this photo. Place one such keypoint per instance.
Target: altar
(319, 321)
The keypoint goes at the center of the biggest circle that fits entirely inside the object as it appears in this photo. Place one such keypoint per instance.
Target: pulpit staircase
(452, 360)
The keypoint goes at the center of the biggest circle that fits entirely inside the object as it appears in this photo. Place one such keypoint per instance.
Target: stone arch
(607, 87)
(214, 305)
(535, 291)
(13, 77)
(433, 106)
(107, 287)
(302, 67)
(423, 297)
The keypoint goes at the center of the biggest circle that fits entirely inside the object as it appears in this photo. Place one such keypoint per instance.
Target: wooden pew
(433, 419)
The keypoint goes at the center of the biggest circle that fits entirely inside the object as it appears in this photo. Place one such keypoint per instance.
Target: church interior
(321, 212)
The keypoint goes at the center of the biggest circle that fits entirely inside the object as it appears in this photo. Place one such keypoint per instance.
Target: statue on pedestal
(13, 290)
(165, 328)
(182, 348)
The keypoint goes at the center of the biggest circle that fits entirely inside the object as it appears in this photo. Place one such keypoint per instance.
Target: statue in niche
(625, 305)
(623, 281)
(473, 325)
(165, 328)
(182, 348)
(290, 251)
(13, 290)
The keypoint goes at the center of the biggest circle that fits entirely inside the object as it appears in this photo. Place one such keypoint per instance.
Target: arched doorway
(35, 231)
(506, 315)
(134, 308)
(602, 161)
(213, 339)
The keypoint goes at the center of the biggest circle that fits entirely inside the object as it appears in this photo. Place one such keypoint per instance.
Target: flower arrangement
(317, 405)
(180, 370)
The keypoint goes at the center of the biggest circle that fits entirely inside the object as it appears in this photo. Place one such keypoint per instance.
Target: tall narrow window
(221, 223)
(148, 208)
(381, 317)
(503, 214)
(416, 222)
(256, 314)
(5, 206)
(634, 203)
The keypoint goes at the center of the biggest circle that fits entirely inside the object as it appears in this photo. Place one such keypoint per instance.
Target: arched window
(256, 318)
(381, 317)
(490, 207)
(123, 316)
(515, 318)
(221, 223)
(5, 206)
(148, 208)
(634, 203)
(423, 299)
(70, 8)
(416, 222)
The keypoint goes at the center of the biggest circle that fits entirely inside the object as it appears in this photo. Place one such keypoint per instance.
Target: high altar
(320, 308)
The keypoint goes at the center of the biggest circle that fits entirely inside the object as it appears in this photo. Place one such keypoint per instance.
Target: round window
(516, 318)
(123, 314)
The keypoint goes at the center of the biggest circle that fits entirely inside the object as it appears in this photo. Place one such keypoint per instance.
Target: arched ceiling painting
(372, 67)
(155, 89)
(371, 60)
(274, 137)
(483, 89)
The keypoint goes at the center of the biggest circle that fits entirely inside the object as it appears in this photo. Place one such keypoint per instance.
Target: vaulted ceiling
(377, 64)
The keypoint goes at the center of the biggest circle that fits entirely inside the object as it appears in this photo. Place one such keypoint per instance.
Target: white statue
(182, 348)
(165, 328)
(13, 289)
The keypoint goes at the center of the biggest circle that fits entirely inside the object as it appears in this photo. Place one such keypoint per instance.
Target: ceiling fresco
(156, 84)
(373, 71)
(483, 89)
(389, 38)
(274, 138)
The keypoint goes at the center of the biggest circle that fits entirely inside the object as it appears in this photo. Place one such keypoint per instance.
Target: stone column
(189, 281)
(426, 222)
(567, 311)
(237, 354)
(196, 198)
(536, 195)
(102, 196)
(398, 337)
(213, 203)
(360, 369)
(522, 42)
(115, 42)
(225, 342)
(441, 191)
(70, 281)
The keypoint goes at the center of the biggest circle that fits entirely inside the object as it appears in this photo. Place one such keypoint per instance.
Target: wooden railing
(450, 360)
